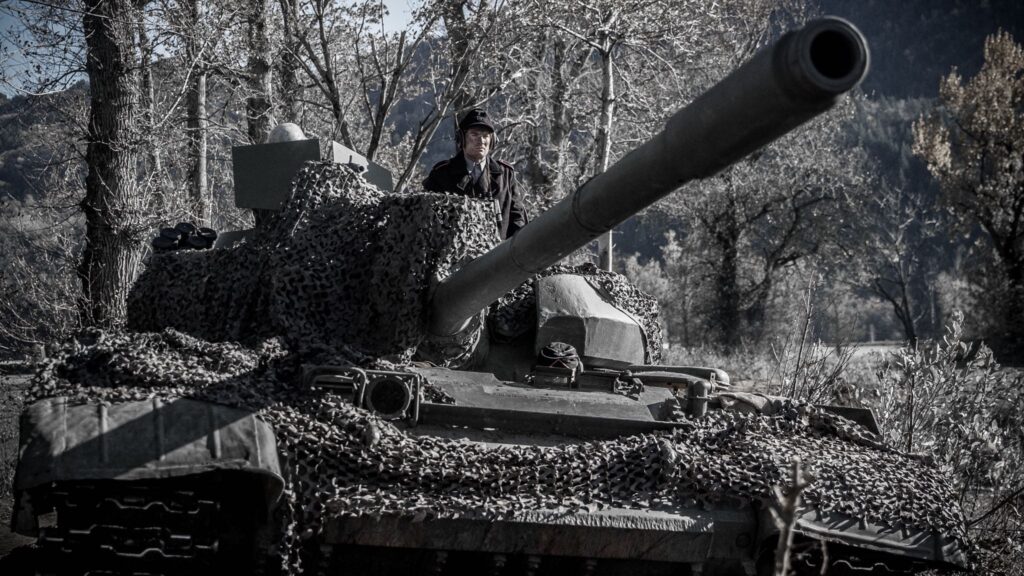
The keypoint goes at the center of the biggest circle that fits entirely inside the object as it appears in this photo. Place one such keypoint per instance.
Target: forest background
(898, 216)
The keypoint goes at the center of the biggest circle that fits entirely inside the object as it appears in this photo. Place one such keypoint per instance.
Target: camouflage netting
(342, 276)
(344, 461)
(515, 313)
(343, 267)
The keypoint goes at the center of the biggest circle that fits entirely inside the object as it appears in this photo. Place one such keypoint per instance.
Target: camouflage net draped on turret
(342, 275)
(344, 461)
(342, 270)
(346, 270)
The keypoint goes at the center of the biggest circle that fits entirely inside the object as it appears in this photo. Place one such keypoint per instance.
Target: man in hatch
(472, 172)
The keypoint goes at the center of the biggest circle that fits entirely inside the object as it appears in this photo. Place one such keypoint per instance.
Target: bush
(38, 285)
(954, 402)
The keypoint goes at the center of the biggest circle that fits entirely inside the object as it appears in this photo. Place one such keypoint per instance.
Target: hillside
(27, 124)
(916, 42)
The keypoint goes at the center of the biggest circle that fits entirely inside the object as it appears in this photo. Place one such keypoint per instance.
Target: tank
(373, 383)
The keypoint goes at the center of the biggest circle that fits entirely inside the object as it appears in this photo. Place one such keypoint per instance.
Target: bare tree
(888, 248)
(559, 69)
(192, 25)
(382, 63)
(764, 215)
(148, 101)
(317, 27)
(287, 64)
(891, 243)
(40, 229)
(604, 34)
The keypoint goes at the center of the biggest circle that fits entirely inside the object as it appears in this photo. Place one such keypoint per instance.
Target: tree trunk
(196, 124)
(287, 66)
(257, 105)
(153, 172)
(909, 316)
(113, 203)
(604, 145)
(1013, 318)
(560, 121)
(538, 175)
(323, 58)
(756, 312)
(900, 298)
(727, 305)
(148, 104)
(341, 130)
(553, 187)
(604, 130)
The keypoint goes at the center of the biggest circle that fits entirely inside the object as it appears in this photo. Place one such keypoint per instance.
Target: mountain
(914, 43)
(27, 126)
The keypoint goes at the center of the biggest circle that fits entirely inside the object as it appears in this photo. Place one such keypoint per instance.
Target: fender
(150, 439)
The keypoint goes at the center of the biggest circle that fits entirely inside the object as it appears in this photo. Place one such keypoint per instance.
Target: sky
(8, 26)
(399, 14)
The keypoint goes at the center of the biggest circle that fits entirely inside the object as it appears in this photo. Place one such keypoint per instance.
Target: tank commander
(473, 172)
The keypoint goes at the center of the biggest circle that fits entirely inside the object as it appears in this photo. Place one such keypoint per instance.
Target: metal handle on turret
(798, 77)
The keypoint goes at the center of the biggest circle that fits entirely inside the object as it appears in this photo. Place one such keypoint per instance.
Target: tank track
(807, 559)
(375, 561)
(153, 528)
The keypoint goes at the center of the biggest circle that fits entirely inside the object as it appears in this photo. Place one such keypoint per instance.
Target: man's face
(478, 143)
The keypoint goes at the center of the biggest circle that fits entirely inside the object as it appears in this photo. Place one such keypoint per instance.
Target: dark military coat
(497, 184)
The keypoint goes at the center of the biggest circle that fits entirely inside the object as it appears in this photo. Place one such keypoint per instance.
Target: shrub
(954, 402)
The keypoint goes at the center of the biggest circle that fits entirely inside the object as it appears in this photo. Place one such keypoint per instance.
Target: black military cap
(476, 118)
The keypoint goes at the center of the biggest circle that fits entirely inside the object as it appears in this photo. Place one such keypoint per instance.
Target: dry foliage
(948, 400)
(953, 401)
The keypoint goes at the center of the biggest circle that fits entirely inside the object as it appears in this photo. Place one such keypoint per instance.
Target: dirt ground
(12, 388)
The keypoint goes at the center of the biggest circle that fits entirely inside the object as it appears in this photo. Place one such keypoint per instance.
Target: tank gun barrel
(798, 77)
